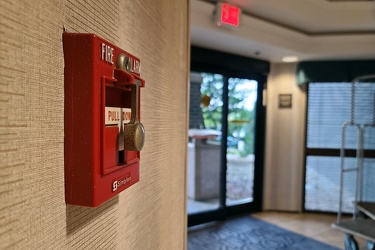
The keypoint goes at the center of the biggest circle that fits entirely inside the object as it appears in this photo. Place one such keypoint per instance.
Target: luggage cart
(362, 224)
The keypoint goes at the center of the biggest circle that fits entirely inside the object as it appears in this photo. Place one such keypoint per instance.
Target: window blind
(329, 105)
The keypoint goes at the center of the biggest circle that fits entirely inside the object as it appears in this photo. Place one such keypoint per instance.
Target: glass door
(205, 146)
(222, 148)
(242, 98)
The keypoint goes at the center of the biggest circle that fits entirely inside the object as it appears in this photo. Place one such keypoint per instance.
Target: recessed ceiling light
(289, 59)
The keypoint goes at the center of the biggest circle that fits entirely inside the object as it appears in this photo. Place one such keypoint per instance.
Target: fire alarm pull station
(103, 133)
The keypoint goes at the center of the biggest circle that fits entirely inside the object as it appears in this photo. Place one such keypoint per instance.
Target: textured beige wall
(285, 140)
(33, 214)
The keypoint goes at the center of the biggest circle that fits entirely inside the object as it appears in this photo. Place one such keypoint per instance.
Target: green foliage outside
(241, 113)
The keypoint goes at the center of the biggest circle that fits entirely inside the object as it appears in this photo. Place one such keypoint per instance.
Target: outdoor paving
(240, 175)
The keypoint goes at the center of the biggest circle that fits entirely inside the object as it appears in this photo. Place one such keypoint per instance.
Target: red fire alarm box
(103, 133)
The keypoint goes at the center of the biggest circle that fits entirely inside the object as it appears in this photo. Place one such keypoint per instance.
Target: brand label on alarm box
(113, 115)
(120, 181)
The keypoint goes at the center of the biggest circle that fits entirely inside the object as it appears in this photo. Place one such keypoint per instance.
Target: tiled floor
(316, 226)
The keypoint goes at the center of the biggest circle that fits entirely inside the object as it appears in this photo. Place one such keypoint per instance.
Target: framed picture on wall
(285, 101)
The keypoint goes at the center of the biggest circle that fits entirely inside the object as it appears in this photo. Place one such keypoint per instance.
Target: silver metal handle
(134, 134)
(134, 130)
(120, 139)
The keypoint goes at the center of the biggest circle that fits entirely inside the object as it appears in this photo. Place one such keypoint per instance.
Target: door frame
(228, 65)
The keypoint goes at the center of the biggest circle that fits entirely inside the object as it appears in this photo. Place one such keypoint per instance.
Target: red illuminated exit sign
(227, 15)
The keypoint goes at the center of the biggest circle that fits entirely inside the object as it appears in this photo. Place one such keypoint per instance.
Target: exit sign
(227, 15)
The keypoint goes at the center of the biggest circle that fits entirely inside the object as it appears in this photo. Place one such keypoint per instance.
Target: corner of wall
(148, 215)
(285, 135)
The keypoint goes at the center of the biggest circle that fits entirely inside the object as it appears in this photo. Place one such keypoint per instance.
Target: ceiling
(309, 29)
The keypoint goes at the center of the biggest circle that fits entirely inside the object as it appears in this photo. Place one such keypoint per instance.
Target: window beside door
(328, 107)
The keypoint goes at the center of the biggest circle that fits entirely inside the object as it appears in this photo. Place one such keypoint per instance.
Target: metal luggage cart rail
(362, 223)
